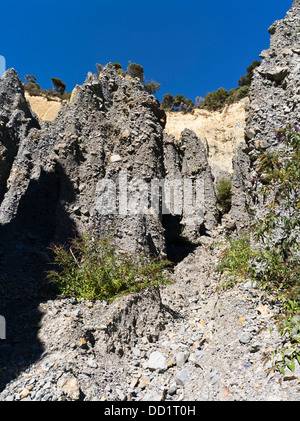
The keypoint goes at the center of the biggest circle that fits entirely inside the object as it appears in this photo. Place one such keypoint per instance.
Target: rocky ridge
(274, 102)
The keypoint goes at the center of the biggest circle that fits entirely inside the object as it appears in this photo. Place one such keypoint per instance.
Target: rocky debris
(214, 345)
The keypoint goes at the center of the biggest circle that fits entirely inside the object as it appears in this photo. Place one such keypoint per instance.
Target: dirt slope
(223, 130)
(45, 109)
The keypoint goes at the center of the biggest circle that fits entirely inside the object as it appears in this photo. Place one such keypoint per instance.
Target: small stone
(157, 362)
(250, 284)
(181, 377)
(244, 338)
(263, 310)
(172, 391)
(70, 387)
(92, 363)
(143, 383)
(255, 347)
(25, 392)
(214, 378)
(181, 358)
(114, 158)
(136, 352)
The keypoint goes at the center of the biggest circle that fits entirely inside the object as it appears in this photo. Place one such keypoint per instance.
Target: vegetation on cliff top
(33, 88)
(213, 101)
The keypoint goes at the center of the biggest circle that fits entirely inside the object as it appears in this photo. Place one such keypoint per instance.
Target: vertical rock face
(60, 171)
(275, 90)
(274, 102)
(186, 163)
(16, 119)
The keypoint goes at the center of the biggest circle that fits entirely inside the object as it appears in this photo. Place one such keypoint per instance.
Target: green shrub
(33, 88)
(117, 65)
(168, 102)
(152, 87)
(92, 268)
(247, 79)
(179, 103)
(58, 85)
(236, 260)
(224, 194)
(136, 70)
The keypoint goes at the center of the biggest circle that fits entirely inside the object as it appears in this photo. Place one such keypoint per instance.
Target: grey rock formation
(16, 119)
(61, 172)
(274, 102)
(94, 164)
(186, 162)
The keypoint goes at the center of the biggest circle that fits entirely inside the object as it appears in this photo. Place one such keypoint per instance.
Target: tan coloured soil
(45, 109)
(223, 130)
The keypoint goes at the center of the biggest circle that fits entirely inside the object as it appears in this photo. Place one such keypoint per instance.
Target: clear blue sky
(190, 47)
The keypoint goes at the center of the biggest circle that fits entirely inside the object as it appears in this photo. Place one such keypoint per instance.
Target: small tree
(117, 65)
(152, 87)
(178, 101)
(99, 68)
(59, 85)
(31, 86)
(187, 106)
(246, 80)
(224, 194)
(30, 79)
(168, 102)
(136, 70)
(215, 100)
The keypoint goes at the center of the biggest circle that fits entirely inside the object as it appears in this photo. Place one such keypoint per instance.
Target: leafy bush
(136, 70)
(224, 194)
(168, 102)
(92, 268)
(215, 100)
(247, 79)
(236, 259)
(59, 85)
(152, 87)
(117, 65)
(179, 103)
(33, 88)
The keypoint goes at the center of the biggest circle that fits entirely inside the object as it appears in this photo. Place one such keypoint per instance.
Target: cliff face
(274, 102)
(59, 170)
(220, 131)
(94, 164)
(45, 109)
(16, 119)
